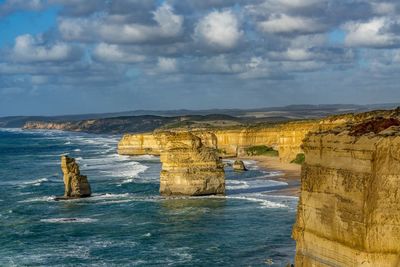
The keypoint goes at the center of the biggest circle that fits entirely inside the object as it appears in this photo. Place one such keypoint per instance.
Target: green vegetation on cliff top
(261, 151)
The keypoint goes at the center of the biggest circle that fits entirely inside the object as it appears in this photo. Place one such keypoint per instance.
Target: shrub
(261, 150)
(300, 158)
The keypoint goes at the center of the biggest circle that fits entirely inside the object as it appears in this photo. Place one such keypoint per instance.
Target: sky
(85, 56)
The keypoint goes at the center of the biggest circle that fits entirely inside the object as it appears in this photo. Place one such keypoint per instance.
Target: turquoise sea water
(126, 222)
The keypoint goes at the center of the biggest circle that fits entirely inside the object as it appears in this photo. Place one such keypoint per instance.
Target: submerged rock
(76, 185)
(238, 165)
(189, 167)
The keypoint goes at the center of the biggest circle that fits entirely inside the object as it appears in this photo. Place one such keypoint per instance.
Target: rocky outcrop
(76, 185)
(349, 208)
(188, 166)
(238, 165)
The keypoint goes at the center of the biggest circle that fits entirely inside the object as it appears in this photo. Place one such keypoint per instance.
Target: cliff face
(188, 166)
(349, 209)
(76, 185)
(139, 144)
(286, 138)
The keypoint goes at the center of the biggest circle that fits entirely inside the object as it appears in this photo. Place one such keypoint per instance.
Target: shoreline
(290, 173)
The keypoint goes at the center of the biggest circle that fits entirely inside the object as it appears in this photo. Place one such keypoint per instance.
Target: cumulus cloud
(168, 26)
(167, 65)
(282, 23)
(287, 5)
(79, 7)
(383, 8)
(373, 33)
(10, 6)
(293, 54)
(219, 30)
(32, 49)
(114, 53)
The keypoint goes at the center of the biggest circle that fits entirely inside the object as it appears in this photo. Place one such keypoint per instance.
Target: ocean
(126, 222)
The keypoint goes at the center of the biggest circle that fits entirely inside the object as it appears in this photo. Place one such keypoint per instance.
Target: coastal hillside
(256, 115)
(135, 124)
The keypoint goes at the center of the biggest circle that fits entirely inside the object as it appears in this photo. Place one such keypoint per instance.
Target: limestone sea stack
(189, 167)
(76, 185)
(239, 166)
(349, 208)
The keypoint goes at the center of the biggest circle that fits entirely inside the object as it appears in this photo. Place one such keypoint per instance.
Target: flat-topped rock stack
(188, 166)
(76, 185)
(349, 208)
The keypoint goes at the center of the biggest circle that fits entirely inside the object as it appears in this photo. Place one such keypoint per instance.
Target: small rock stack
(239, 166)
(76, 185)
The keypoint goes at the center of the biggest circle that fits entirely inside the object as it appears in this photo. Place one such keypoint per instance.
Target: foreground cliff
(189, 167)
(349, 209)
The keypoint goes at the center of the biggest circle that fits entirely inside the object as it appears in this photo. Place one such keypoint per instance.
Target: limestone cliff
(349, 209)
(188, 166)
(284, 137)
(76, 185)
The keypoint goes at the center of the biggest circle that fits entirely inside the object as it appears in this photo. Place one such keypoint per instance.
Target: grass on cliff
(300, 158)
(261, 151)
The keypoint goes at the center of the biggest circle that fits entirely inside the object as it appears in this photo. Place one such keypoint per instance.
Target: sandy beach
(290, 173)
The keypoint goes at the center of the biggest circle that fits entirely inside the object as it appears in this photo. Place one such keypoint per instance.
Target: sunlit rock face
(239, 166)
(139, 144)
(76, 185)
(286, 138)
(188, 166)
(349, 208)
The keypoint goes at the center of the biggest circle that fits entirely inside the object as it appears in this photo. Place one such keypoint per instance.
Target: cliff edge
(349, 208)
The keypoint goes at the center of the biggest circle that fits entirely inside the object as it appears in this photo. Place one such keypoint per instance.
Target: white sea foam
(115, 165)
(38, 199)
(36, 182)
(69, 220)
(67, 143)
(77, 150)
(236, 184)
(253, 183)
(264, 202)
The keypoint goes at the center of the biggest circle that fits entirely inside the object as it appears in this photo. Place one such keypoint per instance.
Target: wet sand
(290, 173)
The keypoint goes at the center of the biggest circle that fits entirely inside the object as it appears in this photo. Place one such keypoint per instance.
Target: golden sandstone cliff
(349, 209)
(286, 138)
(189, 167)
